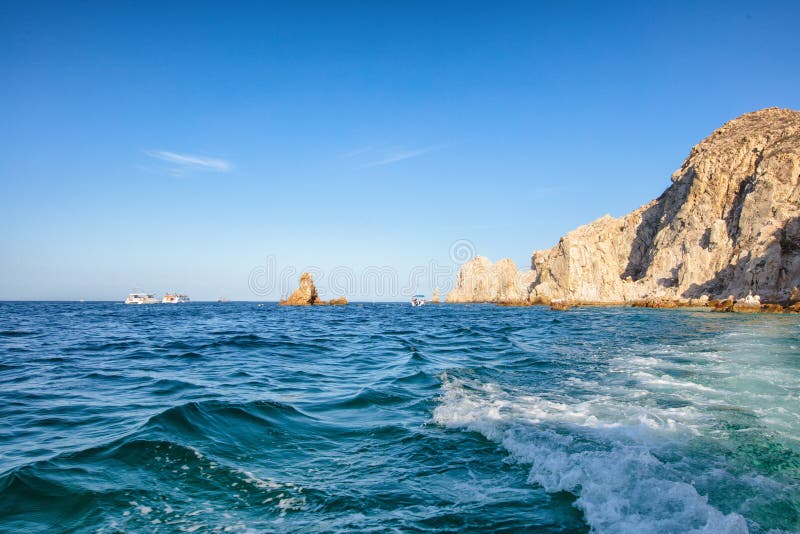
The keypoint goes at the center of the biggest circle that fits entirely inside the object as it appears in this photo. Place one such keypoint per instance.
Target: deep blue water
(382, 417)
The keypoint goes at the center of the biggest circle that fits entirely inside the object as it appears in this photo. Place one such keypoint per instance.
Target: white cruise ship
(141, 298)
(174, 298)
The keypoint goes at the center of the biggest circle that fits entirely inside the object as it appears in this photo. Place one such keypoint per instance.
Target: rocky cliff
(729, 224)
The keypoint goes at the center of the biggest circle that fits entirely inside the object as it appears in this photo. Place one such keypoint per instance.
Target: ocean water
(382, 417)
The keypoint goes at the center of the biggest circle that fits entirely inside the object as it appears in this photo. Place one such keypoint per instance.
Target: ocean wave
(369, 397)
(416, 378)
(194, 445)
(232, 341)
(102, 346)
(609, 461)
(17, 333)
(171, 386)
(225, 421)
(190, 355)
(135, 476)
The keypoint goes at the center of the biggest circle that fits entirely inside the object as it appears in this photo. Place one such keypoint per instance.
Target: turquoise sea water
(383, 417)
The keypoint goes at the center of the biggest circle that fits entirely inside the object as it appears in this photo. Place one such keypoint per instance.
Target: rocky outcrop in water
(305, 295)
(729, 225)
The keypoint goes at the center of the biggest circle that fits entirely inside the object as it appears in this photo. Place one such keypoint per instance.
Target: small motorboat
(418, 300)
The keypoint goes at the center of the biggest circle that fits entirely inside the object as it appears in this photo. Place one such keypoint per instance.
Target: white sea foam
(598, 449)
(261, 482)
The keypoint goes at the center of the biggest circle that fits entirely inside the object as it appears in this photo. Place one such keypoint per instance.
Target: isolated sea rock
(728, 225)
(305, 295)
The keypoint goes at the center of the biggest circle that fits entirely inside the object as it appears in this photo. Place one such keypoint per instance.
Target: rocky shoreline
(726, 305)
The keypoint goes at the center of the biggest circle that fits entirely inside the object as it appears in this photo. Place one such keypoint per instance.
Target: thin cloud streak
(356, 152)
(189, 161)
(400, 156)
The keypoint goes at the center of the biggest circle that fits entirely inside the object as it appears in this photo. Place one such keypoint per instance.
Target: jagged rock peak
(305, 295)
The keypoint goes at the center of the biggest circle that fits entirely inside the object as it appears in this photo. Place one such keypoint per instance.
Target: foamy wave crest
(603, 452)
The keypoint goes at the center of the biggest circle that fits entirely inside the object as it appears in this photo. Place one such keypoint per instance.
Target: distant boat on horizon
(141, 298)
(175, 298)
(223, 299)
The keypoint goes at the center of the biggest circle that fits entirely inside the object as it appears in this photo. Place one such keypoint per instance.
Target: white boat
(418, 300)
(141, 298)
(174, 298)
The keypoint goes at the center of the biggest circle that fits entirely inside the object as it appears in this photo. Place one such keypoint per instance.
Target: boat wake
(612, 457)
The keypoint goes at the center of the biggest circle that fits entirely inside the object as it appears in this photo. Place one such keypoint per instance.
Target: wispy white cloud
(185, 162)
(401, 155)
(356, 152)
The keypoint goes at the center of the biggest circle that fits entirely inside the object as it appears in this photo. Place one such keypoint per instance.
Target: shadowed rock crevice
(654, 219)
(734, 215)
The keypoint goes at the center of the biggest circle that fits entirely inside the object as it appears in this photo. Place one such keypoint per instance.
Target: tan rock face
(305, 295)
(728, 225)
(479, 280)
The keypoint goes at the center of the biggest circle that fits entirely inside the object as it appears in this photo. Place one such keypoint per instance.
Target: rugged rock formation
(728, 225)
(479, 280)
(305, 295)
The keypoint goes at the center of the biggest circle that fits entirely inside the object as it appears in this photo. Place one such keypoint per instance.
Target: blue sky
(181, 146)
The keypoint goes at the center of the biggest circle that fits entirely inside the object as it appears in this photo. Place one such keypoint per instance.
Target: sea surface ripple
(381, 417)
